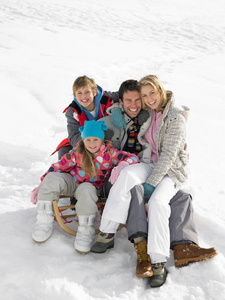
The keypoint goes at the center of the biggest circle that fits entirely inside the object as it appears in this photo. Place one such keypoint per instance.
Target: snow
(44, 46)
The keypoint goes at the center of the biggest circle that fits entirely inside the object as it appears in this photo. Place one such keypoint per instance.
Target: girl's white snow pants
(56, 184)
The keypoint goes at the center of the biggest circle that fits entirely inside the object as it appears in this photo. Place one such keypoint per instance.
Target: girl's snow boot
(43, 227)
(85, 233)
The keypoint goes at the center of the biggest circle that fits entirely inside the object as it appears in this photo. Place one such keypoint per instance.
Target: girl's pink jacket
(104, 162)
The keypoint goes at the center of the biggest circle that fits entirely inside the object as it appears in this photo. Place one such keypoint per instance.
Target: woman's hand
(148, 189)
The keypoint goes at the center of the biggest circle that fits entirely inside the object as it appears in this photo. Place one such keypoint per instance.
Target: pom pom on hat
(93, 128)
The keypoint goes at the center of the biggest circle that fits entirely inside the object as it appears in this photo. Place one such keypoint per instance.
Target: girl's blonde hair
(84, 81)
(157, 85)
(87, 159)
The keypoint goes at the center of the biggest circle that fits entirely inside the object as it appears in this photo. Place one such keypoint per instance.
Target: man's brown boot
(144, 268)
(187, 253)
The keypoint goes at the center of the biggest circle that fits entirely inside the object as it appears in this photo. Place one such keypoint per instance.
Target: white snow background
(44, 46)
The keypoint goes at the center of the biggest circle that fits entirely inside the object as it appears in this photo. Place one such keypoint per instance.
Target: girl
(162, 170)
(90, 103)
(81, 172)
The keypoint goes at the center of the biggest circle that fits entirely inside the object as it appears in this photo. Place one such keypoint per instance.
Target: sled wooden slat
(59, 218)
(58, 209)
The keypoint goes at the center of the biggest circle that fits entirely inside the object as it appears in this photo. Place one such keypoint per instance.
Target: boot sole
(38, 242)
(82, 252)
(41, 241)
(82, 249)
(185, 261)
(145, 275)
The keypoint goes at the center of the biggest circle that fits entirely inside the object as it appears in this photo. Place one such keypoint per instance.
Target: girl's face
(150, 96)
(85, 97)
(92, 144)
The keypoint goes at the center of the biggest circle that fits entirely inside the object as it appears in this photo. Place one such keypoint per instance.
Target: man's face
(131, 103)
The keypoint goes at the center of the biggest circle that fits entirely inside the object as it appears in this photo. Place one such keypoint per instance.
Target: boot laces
(142, 252)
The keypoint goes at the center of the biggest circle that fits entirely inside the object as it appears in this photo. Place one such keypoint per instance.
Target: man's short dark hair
(128, 85)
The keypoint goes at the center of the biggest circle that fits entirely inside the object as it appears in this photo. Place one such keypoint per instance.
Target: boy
(90, 103)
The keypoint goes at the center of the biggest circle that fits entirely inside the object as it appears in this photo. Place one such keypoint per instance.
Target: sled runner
(61, 219)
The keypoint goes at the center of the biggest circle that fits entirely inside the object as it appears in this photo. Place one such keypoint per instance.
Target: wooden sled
(59, 209)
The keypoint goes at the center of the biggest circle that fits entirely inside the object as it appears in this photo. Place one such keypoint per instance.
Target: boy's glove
(148, 189)
(118, 119)
(34, 194)
(116, 171)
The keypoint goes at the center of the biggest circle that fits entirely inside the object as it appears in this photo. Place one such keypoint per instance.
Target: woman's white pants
(118, 202)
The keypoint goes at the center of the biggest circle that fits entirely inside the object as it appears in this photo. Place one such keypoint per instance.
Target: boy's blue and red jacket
(76, 115)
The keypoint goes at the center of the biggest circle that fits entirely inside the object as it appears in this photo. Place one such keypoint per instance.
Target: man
(183, 235)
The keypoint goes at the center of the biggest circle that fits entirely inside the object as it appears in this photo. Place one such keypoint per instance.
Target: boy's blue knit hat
(93, 128)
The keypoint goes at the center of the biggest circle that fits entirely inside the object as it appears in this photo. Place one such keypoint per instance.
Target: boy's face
(85, 97)
(92, 144)
(132, 104)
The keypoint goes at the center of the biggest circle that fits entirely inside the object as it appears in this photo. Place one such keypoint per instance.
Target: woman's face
(85, 97)
(92, 144)
(150, 96)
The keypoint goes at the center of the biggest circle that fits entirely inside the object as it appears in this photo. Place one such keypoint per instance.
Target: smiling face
(131, 103)
(92, 144)
(151, 97)
(85, 97)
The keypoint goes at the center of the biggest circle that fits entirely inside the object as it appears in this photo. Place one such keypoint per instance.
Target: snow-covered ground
(44, 46)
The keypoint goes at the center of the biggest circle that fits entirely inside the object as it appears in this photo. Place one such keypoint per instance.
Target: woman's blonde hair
(84, 81)
(87, 159)
(157, 85)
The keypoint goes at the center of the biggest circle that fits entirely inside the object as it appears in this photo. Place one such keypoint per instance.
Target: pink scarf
(150, 134)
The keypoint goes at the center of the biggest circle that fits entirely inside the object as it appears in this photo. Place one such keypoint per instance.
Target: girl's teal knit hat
(93, 128)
